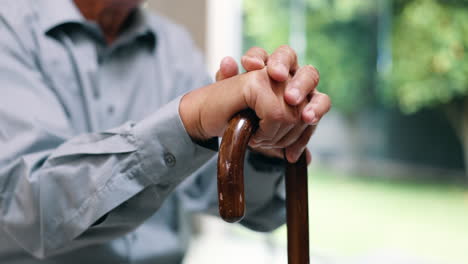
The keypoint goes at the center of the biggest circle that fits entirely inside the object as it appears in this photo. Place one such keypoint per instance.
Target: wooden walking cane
(231, 185)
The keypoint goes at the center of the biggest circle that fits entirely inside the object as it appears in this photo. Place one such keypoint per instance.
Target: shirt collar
(139, 27)
(57, 13)
(60, 12)
(139, 24)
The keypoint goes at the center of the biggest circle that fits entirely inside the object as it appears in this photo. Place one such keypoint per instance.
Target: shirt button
(110, 110)
(169, 159)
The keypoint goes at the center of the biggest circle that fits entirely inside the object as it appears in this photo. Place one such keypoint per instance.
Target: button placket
(110, 109)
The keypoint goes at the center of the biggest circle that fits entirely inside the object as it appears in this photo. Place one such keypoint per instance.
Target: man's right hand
(206, 111)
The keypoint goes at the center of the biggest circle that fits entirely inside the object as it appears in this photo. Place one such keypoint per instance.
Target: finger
(227, 69)
(295, 150)
(302, 84)
(282, 132)
(273, 112)
(266, 131)
(318, 106)
(283, 125)
(282, 62)
(254, 59)
(308, 156)
(274, 153)
(291, 137)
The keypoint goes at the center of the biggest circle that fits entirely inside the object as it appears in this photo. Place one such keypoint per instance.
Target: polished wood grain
(231, 185)
(231, 165)
(297, 211)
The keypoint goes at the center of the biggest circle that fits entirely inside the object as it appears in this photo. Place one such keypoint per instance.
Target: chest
(100, 88)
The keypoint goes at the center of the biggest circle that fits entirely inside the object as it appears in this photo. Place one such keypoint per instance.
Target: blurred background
(388, 183)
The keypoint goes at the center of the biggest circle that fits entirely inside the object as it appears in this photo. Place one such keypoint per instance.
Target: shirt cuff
(166, 152)
(263, 163)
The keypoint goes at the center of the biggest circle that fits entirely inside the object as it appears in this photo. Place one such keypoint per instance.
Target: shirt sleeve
(264, 193)
(54, 184)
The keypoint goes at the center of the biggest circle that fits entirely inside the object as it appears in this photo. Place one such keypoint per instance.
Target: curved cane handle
(231, 185)
(231, 165)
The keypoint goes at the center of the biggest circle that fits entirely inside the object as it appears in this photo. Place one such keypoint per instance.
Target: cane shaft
(231, 185)
(297, 212)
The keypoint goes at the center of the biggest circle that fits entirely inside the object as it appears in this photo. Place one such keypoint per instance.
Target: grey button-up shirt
(95, 163)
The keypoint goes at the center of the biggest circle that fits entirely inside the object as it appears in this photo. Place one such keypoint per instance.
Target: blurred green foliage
(266, 23)
(359, 216)
(341, 43)
(429, 39)
(430, 67)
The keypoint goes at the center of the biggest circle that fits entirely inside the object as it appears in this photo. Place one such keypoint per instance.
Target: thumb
(227, 69)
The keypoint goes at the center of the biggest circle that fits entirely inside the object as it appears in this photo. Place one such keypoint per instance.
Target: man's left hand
(281, 65)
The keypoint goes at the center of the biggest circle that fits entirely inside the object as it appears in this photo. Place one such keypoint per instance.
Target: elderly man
(109, 126)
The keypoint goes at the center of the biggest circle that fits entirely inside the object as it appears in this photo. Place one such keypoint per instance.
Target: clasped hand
(282, 94)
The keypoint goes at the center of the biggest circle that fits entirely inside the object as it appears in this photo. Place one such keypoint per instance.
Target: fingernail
(224, 60)
(290, 156)
(253, 60)
(311, 114)
(298, 154)
(281, 69)
(315, 120)
(295, 157)
(295, 94)
(258, 61)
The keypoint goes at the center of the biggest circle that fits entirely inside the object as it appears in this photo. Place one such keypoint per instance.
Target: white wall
(215, 25)
(224, 31)
(189, 13)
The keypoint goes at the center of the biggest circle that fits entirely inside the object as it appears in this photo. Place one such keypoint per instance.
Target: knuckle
(290, 52)
(309, 69)
(325, 98)
(279, 145)
(258, 137)
(312, 72)
(304, 139)
(282, 144)
(263, 135)
(285, 50)
(302, 143)
(292, 119)
(276, 115)
(252, 50)
(292, 151)
(244, 58)
(258, 78)
(267, 144)
(266, 139)
(257, 51)
(255, 48)
(286, 117)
